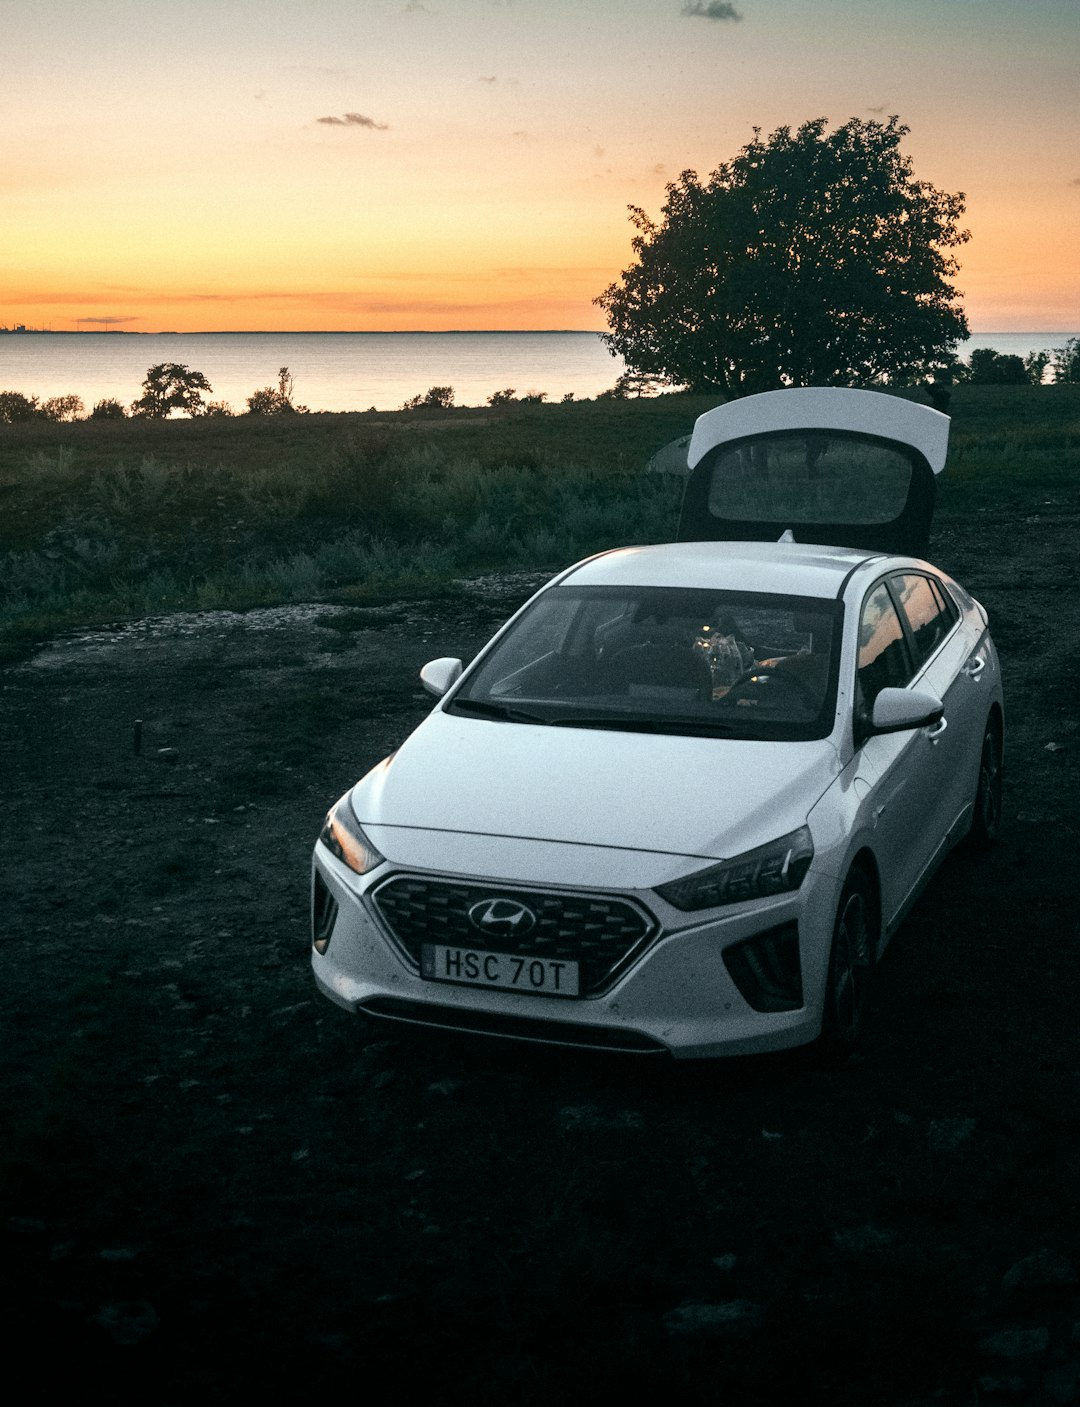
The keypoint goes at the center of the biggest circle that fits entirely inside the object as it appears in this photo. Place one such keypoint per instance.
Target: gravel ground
(214, 1181)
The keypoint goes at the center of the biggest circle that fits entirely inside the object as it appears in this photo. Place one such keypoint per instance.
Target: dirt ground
(215, 1182)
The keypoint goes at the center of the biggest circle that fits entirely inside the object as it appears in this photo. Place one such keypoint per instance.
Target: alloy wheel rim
(852, 952)
(990, 781)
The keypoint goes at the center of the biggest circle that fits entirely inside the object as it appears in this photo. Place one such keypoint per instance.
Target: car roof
(783, 568)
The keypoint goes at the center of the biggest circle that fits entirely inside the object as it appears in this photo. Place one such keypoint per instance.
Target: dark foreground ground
(215, 1182)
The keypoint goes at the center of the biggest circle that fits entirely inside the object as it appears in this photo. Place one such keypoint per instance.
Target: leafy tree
(14, 406)
(990, 368)
(1067, 361)
(436, 397)
(219, 408)
(276, 400)
(505, 397)
(171, 386)
(67, 407)
(634, 384)
(1035, 364)
(108, 409)
(811, 258)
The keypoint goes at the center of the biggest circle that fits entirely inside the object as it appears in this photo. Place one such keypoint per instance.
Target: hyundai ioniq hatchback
(685, 796)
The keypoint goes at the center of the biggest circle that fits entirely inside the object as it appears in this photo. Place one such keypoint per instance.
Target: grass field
(107, 520)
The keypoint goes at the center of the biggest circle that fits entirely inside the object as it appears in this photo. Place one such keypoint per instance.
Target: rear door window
(926, 612)
(884, 662)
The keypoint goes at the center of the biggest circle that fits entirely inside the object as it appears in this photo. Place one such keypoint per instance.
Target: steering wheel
(752, 679)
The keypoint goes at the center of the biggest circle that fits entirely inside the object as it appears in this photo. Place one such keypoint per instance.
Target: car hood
(708, 797)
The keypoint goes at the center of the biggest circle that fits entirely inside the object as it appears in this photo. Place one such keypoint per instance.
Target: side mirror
(901, 710)
(437, 675)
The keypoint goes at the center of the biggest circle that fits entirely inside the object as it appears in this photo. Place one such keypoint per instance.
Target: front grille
(602, 935)
(518, 1028)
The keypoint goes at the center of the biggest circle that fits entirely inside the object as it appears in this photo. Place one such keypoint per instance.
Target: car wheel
(986, 821)
(851, 965)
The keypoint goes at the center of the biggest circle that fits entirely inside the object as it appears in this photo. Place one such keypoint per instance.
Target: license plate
(540, 977)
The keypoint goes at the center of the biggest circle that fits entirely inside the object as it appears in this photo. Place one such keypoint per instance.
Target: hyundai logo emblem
(502, 918)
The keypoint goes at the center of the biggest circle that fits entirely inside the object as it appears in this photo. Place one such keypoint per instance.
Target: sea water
(339, 371)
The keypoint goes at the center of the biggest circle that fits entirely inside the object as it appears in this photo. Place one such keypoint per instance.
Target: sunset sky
(394, 164)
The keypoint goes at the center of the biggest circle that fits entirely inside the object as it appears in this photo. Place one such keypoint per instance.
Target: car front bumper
(677, 996)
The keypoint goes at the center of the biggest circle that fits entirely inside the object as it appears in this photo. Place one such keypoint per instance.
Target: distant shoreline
(307, 332)
(408, 332)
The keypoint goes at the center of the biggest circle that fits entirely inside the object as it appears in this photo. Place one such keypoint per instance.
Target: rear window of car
(883, 653)
(810, 476)
(928, 615)
(669, 659)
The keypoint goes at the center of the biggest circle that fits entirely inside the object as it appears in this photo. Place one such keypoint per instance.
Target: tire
(986, 817)
(851, 967)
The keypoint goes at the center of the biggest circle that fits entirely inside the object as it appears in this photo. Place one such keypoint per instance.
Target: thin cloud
(492, 79)
(710, 10)
(1075, 181)
(320, 70)
(109, 322)
(354, 119)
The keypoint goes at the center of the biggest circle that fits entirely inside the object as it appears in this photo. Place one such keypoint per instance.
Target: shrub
(62, 408)
(436, 397)
(990, 368)
(14, 406)
(276, 400)
(1067, 362)
(108, 409)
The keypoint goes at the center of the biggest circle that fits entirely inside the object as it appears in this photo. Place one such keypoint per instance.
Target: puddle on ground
(183, 628)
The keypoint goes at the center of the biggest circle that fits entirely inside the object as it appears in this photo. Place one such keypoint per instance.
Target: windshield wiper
(486, 709)
(679, 726)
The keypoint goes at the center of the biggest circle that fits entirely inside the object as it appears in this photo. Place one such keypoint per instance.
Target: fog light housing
(767, 969)
(324, 912)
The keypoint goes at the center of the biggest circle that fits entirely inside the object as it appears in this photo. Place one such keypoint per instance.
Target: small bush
(276, 400)
(108, 409)
(1067, 362)
(435, 398)
(61, 408)
(14, 407)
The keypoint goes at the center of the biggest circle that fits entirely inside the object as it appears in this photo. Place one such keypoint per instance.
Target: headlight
(342, 836)
(770, 869)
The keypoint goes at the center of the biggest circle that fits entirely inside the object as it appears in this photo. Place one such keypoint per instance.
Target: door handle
(975, 666)
(937, 730)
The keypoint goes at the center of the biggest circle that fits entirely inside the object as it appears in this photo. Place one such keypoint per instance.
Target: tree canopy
(1067, 361)
(171, 386)
(811, 258)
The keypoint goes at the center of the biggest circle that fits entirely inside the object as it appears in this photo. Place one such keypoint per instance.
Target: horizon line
(22, 330)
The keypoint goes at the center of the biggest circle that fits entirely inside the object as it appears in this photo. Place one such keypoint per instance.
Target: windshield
(666, 660)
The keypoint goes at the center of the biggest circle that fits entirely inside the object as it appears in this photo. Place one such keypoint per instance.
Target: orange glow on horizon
(408, 167)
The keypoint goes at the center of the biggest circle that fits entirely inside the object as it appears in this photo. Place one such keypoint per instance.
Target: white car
(684, 797)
